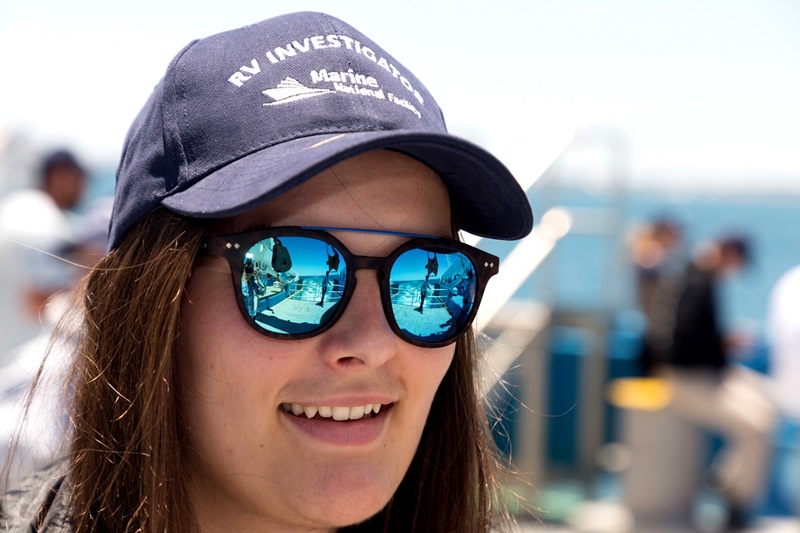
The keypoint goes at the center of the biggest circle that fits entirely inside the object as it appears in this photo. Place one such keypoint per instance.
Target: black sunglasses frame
(233, 248)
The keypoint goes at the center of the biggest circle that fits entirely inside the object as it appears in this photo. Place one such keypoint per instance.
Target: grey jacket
(39, 504)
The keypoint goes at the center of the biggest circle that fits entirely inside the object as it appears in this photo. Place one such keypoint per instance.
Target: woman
(191, 413)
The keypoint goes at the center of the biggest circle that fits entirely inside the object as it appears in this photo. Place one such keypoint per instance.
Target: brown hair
(125, 467)
(126, 470)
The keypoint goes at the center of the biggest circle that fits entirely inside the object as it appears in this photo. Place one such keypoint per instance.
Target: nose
(362, 336)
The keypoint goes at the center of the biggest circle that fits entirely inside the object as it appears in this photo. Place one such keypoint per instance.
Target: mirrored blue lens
(292, 285)
(432, 293)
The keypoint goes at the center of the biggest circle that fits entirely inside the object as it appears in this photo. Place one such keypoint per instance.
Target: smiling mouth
(336, 413)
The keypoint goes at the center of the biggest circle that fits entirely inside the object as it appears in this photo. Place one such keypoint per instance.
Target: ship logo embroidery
(291, 90)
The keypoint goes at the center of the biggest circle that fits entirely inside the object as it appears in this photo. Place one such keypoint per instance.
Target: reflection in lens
(432, 293)
(299, 299)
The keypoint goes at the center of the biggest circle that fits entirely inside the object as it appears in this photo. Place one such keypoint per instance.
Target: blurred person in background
(784, 332)
(35, 223)
(783, 329)
(709, 390)
(658, 260)
(38, 441)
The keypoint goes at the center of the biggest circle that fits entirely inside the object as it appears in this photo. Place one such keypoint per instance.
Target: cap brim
(486, 198)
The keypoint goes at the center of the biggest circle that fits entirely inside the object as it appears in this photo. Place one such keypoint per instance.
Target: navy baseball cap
(242, 116)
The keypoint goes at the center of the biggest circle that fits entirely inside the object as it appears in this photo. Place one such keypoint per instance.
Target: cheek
(424, 374)
(429, 367)
(217, 343)
(209, 324)
(440, 361)
(220, 354)
(212, 326)
(207, 353)
(223, 370)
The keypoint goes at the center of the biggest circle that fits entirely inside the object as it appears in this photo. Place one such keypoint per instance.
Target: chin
(341, 516)
(349, 509)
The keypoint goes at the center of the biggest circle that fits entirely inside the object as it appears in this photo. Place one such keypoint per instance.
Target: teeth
(342, 413)
(337, 413)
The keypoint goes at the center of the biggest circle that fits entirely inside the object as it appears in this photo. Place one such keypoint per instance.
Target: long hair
(125, 463)
(126, 468)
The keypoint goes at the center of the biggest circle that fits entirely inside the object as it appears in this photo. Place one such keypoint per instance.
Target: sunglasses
(295, 282)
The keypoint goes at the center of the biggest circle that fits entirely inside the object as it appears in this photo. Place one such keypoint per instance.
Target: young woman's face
(253, 465)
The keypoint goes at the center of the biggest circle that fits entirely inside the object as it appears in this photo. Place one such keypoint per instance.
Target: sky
(693, 94)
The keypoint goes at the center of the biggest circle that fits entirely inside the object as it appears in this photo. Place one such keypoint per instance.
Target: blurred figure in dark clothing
(712, 392)
(698, 340)
(658, 258)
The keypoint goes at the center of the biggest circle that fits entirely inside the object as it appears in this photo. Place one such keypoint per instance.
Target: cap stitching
(185, 150)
